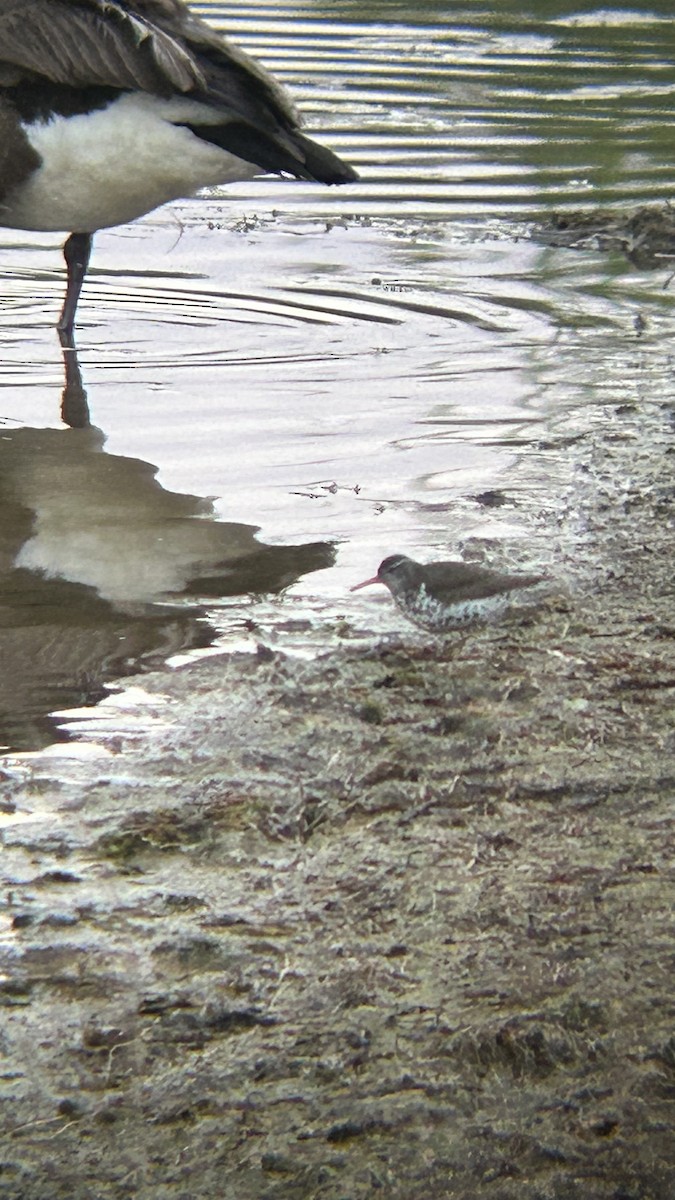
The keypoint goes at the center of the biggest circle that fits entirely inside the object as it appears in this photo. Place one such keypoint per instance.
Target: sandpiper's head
(397, 572)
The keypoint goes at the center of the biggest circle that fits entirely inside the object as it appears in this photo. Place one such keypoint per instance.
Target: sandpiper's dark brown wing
(457, 581)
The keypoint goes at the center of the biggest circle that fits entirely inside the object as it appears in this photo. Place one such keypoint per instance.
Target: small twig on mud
(111, 1052)
(34, 1124)
(292, 973)
(58, 1132)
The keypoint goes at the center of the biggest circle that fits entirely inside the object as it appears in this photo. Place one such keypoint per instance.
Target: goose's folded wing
(92, 43)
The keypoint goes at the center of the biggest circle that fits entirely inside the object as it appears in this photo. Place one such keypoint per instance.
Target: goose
(109, 109)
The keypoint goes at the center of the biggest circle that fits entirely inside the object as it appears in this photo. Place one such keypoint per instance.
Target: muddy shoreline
(393, 921)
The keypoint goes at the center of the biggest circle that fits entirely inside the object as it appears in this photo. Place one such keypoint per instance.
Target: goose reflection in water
(94, 555)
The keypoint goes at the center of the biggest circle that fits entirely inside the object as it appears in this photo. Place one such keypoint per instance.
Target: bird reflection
(74, 406)
(97, 561)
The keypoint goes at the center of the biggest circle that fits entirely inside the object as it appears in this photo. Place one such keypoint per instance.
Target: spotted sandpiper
(110, 108)
(441, 596)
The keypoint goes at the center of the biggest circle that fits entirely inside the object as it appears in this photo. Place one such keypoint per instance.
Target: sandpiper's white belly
(112, 165)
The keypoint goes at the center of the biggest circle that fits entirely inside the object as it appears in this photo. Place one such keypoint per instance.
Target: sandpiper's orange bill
(366, 583)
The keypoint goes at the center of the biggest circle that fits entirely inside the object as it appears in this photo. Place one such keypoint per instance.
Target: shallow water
(343, 369)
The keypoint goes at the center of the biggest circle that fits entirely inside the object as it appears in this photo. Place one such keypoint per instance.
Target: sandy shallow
(392, 921)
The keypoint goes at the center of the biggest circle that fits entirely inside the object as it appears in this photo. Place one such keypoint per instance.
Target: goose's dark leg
(76, 253)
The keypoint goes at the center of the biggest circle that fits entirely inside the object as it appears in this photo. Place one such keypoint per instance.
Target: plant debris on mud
(646, 235)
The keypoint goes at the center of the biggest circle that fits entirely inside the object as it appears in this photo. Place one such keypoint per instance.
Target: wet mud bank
(646, 235)
(389, 922)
